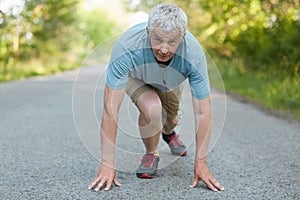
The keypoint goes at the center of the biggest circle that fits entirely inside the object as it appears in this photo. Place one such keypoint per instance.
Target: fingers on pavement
(212, 184)
(94, 183)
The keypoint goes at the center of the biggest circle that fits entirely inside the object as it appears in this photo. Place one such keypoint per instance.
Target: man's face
(164, 44)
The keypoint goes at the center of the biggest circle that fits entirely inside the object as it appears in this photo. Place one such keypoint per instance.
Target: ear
(182, 37)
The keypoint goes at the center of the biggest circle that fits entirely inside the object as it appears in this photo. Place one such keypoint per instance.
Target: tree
(40, 27)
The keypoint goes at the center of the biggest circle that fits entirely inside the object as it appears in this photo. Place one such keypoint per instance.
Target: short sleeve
(199, 80)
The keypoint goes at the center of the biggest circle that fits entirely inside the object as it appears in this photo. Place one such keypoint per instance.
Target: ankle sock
(156, 153)
(167, 137)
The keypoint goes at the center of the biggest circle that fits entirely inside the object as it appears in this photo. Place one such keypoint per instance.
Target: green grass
(271, 90)
(32, 68)
(15, 70)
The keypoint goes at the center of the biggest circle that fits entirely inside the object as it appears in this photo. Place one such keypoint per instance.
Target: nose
(164, 50)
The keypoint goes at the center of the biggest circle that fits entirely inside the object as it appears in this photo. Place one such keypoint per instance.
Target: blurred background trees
(35, 30)
(44, 36)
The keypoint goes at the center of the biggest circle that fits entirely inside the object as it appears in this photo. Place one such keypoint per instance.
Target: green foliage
(39, 31)
(269, 89)
(258, 42)
(48, 36)
(95, 27)
(273, 45)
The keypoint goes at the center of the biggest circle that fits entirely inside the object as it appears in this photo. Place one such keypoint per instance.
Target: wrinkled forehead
(165, 33)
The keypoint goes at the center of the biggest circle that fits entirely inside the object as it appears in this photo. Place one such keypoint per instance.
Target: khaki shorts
(170, 100)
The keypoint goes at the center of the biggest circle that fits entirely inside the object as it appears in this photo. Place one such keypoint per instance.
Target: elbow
(203, 116)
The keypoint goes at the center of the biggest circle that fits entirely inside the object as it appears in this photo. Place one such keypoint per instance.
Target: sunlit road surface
(44, 153)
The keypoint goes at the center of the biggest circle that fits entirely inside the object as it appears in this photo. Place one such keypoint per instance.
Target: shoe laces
(148, 160)
(175, 140)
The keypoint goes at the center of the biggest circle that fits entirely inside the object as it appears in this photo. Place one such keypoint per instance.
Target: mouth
(163, 57)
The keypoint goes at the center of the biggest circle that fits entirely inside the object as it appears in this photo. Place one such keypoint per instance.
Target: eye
(157, 39)
(172, 42)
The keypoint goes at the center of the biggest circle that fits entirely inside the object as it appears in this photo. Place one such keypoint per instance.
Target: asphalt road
(49, 145)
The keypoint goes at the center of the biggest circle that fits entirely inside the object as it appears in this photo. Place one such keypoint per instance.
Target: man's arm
(108, 133)
(202, 114)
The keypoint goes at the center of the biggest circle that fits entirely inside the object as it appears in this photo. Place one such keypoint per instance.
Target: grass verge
(15, 70)
(271, 90)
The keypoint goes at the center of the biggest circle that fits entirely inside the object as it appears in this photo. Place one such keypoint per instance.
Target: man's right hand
(106, 175)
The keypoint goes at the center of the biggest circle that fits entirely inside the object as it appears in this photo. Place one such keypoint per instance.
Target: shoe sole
(181, 154)
(149, 176)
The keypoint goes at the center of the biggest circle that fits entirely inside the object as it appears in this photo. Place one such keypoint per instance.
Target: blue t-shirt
(132, 56)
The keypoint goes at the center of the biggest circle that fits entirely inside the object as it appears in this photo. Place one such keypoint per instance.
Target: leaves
(46, 33)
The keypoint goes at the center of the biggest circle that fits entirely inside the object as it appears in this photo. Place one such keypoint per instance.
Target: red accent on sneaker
(183, 154)
(148, 166)
(145, 176)
(148, 160)
(176, 145)
(175, 141)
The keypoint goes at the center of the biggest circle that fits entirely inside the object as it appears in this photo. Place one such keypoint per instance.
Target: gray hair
(168, 17)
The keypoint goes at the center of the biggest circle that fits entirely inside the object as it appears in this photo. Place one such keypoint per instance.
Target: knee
(152, 113)
(150, 108)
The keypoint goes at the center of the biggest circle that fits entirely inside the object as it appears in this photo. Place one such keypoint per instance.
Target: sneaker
(176, 146)
(148, 166)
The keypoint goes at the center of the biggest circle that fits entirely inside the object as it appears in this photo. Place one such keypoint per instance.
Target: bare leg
(170, 124)
(150, 118)
(175, 144)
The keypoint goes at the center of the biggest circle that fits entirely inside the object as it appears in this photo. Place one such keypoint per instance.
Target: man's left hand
(202, 173)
